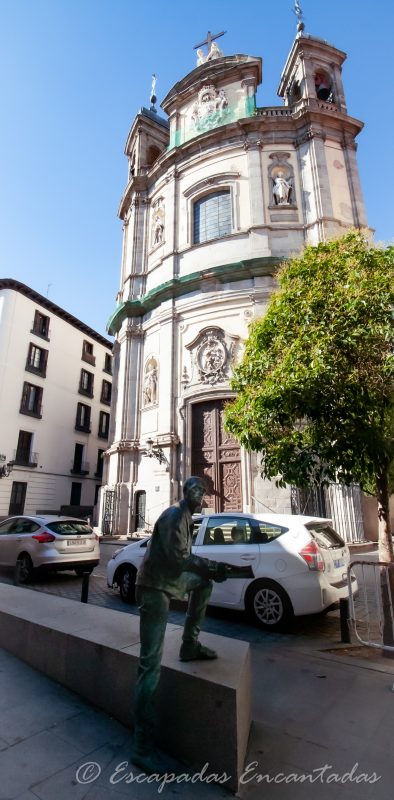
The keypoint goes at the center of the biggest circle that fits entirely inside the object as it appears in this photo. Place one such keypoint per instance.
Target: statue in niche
(150, 384)
(158, 230)
(282, 190)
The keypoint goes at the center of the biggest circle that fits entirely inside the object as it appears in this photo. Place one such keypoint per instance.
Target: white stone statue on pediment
(201, 58)
(214, 52)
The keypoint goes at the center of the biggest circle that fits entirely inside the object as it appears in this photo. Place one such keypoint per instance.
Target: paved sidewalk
(322, 729)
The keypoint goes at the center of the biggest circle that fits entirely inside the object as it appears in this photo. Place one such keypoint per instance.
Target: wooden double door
(216, 457)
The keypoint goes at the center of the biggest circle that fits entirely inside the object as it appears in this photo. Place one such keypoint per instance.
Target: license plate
(339, 562)
(71, 542)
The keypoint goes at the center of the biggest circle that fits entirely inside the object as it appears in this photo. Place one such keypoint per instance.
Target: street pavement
(322, 721)
(224, 622)
(322, 728)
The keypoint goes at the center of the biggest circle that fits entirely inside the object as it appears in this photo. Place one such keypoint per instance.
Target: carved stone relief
(212, 354)
(209, 109)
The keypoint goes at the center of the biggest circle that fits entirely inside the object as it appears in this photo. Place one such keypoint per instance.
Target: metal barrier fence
(371, 613)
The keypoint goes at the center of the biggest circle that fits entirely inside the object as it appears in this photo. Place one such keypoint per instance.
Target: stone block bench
(204, 708)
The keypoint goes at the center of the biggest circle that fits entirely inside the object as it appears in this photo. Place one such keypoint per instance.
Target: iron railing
(371, 613)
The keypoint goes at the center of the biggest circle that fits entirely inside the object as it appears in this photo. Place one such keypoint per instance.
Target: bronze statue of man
(169, 569)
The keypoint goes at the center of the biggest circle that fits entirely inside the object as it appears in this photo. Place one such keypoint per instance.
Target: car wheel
(126, 581)
(24, 568)
(269, 605)
(80, 570)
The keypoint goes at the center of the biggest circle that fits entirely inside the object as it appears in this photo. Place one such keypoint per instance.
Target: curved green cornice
(177, 287)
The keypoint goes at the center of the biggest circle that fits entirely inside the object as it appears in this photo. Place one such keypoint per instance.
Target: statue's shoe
(149, 763)
(195, 651)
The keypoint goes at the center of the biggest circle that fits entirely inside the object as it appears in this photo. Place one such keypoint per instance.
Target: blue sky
(73, 74)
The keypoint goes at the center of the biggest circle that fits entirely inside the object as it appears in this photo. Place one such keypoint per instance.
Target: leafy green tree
(315, 388)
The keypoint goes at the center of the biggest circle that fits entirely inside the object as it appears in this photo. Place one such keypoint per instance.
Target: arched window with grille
(212, 217)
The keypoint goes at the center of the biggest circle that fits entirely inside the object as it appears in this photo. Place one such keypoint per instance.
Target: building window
(106, 392)
(17, 499)
(75, 497)
(82, 422)
(79, 466)
(87, 353)
(23, 454)
(212, 217)
(37, 360)
(103, 430)
(100, 464)
(31, 400)
(108, 363)
(41, 325)
(86, 383)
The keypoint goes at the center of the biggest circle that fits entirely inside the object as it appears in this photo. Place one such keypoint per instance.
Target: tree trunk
(386, 554)
(385, 539)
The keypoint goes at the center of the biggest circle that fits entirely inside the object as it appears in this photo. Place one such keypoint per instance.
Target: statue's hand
(218, 571)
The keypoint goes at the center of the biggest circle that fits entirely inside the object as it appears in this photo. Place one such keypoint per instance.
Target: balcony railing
(289, 111)
(80, 468)
(36, 411)
(274, 111)
(86, 390)
(25, 458)
(89, 358)
(83, 426)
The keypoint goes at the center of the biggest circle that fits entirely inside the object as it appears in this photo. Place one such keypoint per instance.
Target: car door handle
(248, 558)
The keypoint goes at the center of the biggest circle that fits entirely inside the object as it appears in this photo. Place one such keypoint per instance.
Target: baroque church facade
(219, 192)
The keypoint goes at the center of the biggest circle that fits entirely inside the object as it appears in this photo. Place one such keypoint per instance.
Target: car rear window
(266, 531)
(70, 527)
(325, 536)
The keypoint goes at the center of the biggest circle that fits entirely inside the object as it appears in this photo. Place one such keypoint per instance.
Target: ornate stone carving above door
(211, 354)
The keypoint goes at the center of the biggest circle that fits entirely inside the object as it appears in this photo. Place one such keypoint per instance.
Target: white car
(299, 564)
(50, 542)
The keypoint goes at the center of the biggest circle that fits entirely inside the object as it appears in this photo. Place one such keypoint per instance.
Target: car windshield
(70, 527)
(325, 536)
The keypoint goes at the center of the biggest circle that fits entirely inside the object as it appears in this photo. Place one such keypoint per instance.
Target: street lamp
(155, 451)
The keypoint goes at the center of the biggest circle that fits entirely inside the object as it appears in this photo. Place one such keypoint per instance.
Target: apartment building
(55, 397)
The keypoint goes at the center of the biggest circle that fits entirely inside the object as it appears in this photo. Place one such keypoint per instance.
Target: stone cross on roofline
(153, 98)
(213, 50)
(300, 17)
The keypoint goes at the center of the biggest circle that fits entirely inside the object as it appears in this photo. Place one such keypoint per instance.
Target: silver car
(49, 542)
